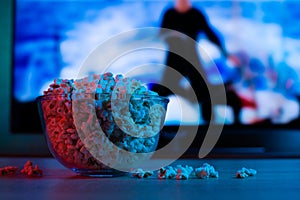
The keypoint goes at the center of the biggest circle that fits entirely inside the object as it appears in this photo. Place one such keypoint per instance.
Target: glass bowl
(91, 134)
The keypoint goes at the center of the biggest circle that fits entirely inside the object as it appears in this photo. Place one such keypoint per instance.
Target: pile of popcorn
(28, 169)
(180, 172)
(31, 170)
(74, 111)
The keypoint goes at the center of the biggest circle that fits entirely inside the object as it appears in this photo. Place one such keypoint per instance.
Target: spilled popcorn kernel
(28, 169)
(31, 170)
(140, 173)
(244, 173)
(167, 173)
(8, 170)
(206, 171)
(179, 172)
(184, 172)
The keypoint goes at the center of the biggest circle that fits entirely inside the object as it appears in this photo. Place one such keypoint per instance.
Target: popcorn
(167, 173)
(179, 172)
(8, 170)
(140, 173)
(84, 104)
(184, 172)
(244, 173)
(206, 171)
(30, 170)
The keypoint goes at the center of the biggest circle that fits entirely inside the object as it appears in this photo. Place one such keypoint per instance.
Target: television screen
(52, 38)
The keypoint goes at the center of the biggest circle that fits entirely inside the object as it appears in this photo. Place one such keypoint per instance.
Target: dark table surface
(276, 179)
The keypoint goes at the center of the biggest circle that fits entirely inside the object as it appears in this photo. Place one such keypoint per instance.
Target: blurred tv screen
(53, 37)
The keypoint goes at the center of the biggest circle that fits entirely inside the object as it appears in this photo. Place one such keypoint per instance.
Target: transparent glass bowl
(87, 133)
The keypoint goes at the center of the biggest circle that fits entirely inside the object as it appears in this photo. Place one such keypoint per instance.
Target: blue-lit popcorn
(140, 173)
(167, 173)
(206, 171)
(244, 173)
(179, 172)
(184, 172)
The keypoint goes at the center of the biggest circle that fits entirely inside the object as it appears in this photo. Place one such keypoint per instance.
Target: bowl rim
(135, 96)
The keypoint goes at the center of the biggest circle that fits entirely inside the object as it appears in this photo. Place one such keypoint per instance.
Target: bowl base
(99, 173)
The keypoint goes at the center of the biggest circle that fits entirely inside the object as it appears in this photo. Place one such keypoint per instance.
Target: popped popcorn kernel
(244, 173)
(140, 173)
(8, 170)
(30, 170)
(167, 173)
(206, 171)
(179, 172)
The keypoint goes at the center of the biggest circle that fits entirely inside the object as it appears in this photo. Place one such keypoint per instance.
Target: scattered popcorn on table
(31, 170)
(167, 173)
(206, 171)
(140, 173)
(28, 169)
(244, 173)
(8, 170)
(184, 172)
(179, 172)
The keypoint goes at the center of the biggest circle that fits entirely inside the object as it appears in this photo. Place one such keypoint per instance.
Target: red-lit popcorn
(31, 170)
(27, 169)
(206, 171)
(8, 170)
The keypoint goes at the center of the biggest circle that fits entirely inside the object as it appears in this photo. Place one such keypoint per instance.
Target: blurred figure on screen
(181, 26)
